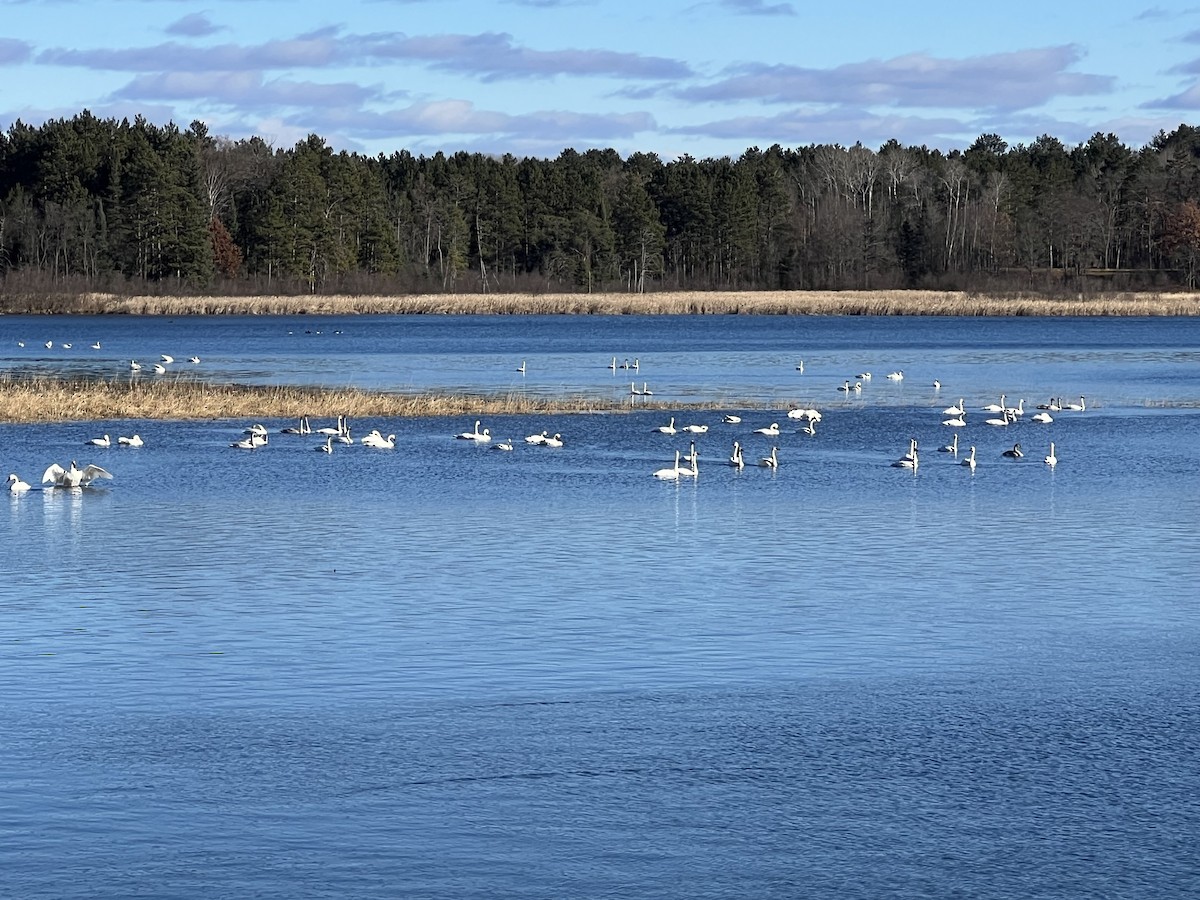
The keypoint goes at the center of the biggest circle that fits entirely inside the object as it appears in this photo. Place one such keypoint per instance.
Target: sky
(670, 77)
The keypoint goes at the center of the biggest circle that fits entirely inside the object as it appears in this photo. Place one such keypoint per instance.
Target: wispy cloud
(245, 89)
(758, 8)
(14, 51)
(1017, 80)
(193, 25)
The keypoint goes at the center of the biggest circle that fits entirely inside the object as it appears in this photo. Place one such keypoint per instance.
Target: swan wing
(53, 474)
(92, 472)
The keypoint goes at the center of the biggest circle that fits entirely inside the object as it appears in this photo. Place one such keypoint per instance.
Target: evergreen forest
(89, 204)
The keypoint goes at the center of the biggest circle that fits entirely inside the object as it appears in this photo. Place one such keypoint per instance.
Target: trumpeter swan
(160, 369)
(937, 385)
(696, 429)
(863, 376)
(771, 430)
(1014, 453)
(1081, 406)
(16, 485)
(909, 460)
(521, 367)
(257, 428)
(471, 435)
(633, 389)
(671, 474)
(735, 458)
(845, 387)
(335, 431)
(135, 366)
(133, 441)
(168, 359)
(1001, 422)
(693, 459)
(959, 421)
(96, 346)
(326, 447)
(646, 392)
(250, 442)
(194, 360)
(100, 442)
(1043, 417)
(732, 420)
(536, 438)
(73, 477)
(503, 445)
(49, 344)
(957, 410)
(969, 462)
(669, 428)
(613, 365)
(951, 447)
(772, 461)
(555, 440)
(1051, 460)
(302, 428)
(1018, 410)
(995, 407)
(800, 367)
(898, 375)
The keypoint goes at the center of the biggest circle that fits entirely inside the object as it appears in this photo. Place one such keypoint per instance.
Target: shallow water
(447, 671)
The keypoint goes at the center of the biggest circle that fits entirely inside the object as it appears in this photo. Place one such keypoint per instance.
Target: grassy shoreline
(822, 303)
(47, 399)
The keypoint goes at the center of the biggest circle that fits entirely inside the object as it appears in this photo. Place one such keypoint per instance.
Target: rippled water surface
(448, 671)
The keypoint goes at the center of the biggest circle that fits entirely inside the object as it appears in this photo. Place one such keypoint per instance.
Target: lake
(448, 671)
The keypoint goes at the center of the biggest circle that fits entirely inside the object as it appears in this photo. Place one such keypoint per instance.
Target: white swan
(73, 477)
(134, 441)
(957, 410)
(1051, 460)
(302, 428)
(937, 385)
(800, 367)
(503, 445)
(910, 459)
(100, 441)
(256, 428)
(1044, 417)
(326, 447)
(845, 387)
(1015, 452)
(669, 428)
(696, 429)
(135, 366)
(1081, 406)
(49, 344)
(1018, 410)
(521, 367)
(67, 346)
(810, 427)
(771, 430)
(735, 458)
(995, 407)
(693, 459)
(952, 447)
(554, 440)
(959, 421)
(863, 376)
(633, 390)
(194, 360)
(471, 435)
(669, 474)
(250, 442)
(335, 431)
(160, 369)
(613, 365)
(772, 461)
(379, 442)
(168, 359)
(646, 392)
(96, 346)
(539, 438)
(969, 462)
(16, 485)
(1001, 422)
(732, 420)
(898, 375)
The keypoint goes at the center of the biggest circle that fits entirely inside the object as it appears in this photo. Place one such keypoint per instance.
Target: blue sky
(532, 77)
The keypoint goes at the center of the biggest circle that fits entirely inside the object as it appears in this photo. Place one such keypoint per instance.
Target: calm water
(445, 671)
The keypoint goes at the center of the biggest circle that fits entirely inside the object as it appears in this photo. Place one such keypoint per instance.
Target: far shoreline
(770, 303)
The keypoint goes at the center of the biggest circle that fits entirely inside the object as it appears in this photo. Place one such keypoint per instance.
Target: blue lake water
(447, 671)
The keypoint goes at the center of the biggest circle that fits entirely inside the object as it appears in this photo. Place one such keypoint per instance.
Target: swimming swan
(771, 430)
(1014, 453)
(772, 461)
(74, 477)
(735, 458)
(326, 447)
(100, 441)
(1051, 460)
(134, 441)
(669, 428)
(302, 428)
(969, 462)
(956, 410)
(1081, 406)
(16, 485)
(669, 474)
(732, 420)
(952, 447)
(554, 441)
(471, 435)
(1044, 417)
(538, 438)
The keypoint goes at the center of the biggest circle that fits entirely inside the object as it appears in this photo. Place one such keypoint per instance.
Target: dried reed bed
(28, 400)
(821, 303)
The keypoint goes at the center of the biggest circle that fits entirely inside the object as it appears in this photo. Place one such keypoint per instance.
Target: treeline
(90, 204)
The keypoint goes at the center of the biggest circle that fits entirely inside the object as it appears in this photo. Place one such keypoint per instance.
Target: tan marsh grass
(823, 303)
(27, 400)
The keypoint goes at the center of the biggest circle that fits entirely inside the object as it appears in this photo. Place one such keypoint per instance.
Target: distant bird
(49, 344)
(96, 346)
(326, 447)
(474, 435)
(898, 375)
(732, 420)
(863, 376)
(167, 359)
(16, 485)
(771, 430)
(772, 461)
(1051, 460)
(66, 346)
(633, 389)
(99, 442)
(646, 392)
(302, 428)
(800, 367)
(135, 366)
(554, 440)
(735, 458)
(670, 473)
(1044, 417)
(696, 429)
(1081, 406)
(952, 447)
(74, 477)
(160, 369)
(538, 438)
(133, 441)
(503, 445)
(1014, 453)
(956, 410)
(194, 359)
(521, 367)
(669, 428)
(937, 385)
